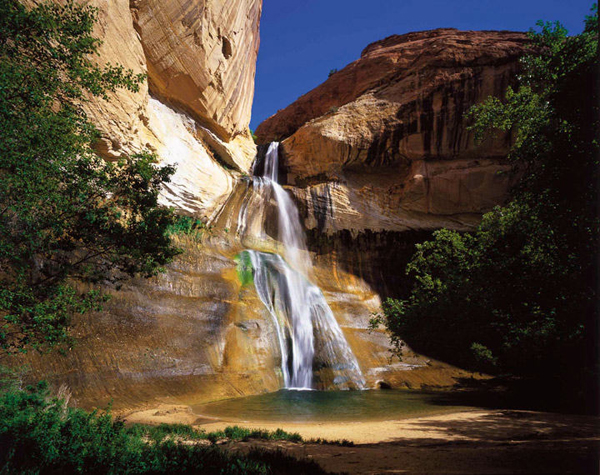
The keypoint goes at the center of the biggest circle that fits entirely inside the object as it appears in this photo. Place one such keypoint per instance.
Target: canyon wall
(384, 143)
(199, 333)
(194, 108)
(379, 155)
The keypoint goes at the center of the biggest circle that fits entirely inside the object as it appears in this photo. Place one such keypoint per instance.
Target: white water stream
(306, 326)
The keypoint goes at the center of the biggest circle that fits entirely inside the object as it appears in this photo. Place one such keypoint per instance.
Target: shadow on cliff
(377, 257)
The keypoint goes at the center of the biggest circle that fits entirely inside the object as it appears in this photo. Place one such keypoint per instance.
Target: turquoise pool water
(327, 406)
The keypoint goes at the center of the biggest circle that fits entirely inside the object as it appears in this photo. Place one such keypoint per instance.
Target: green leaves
(39, 433)
(65, 214)
(245, 271)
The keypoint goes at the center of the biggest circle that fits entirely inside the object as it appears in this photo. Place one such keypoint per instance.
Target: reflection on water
(326, 406)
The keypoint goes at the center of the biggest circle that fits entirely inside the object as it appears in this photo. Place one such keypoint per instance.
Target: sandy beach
(472, 441)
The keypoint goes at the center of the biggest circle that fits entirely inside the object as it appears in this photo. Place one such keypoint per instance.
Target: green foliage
(519, 294)
(545, 103)
(65, 214)
(11, 379)
(187, 225)
(232, 433)
(340, 442)
(483, 356)
(244, 268)
(161, 432)
(41, 434)
(254, 136)
(332, 72)
(241, 433)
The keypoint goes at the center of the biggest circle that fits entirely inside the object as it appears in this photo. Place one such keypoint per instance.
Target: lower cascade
(309, 336)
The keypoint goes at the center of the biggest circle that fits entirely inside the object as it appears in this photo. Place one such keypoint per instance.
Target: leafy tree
(519, 295)
(65, 214)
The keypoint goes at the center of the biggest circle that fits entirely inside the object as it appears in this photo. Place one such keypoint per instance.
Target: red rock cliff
(385, 140)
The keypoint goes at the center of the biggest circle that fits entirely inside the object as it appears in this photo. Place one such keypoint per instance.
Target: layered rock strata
(191, 332)
(384, 144)
(201, 56)
(381, 154)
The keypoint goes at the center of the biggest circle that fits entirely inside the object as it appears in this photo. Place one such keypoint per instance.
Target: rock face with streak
(383, 144)
(196, 333)
(200, 60)
(201, 57)
(193, 333)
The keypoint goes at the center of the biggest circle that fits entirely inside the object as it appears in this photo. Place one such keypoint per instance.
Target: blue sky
(302, 40)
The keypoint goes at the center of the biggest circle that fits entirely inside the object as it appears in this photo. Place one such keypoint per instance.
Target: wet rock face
(386, 139)
(198, 333)
(192, 333)
(378, 259)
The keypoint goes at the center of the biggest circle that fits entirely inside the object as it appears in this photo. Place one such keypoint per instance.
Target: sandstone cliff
(194, 109)
(197, 333)
(383, 144)
(380, 148)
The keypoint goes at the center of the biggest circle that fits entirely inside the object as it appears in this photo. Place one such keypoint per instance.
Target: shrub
(66, 214)
(41, 434)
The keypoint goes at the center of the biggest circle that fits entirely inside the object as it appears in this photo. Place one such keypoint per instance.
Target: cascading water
(305, 323)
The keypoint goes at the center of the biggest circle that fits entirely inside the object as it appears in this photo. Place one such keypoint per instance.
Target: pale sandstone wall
(200, 58)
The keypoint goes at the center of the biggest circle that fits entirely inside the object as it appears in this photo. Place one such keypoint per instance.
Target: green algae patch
(244, 268)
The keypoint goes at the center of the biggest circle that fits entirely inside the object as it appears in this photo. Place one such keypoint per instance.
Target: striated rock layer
(201, 57)
(191, 331)
(198, 333)
(384, 143)
(194, 108)
(380, 154)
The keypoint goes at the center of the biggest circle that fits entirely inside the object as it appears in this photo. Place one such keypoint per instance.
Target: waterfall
(306, 326)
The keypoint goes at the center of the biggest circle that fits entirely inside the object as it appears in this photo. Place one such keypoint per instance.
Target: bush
(187, 225)
(231, 433)
(41, 434)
